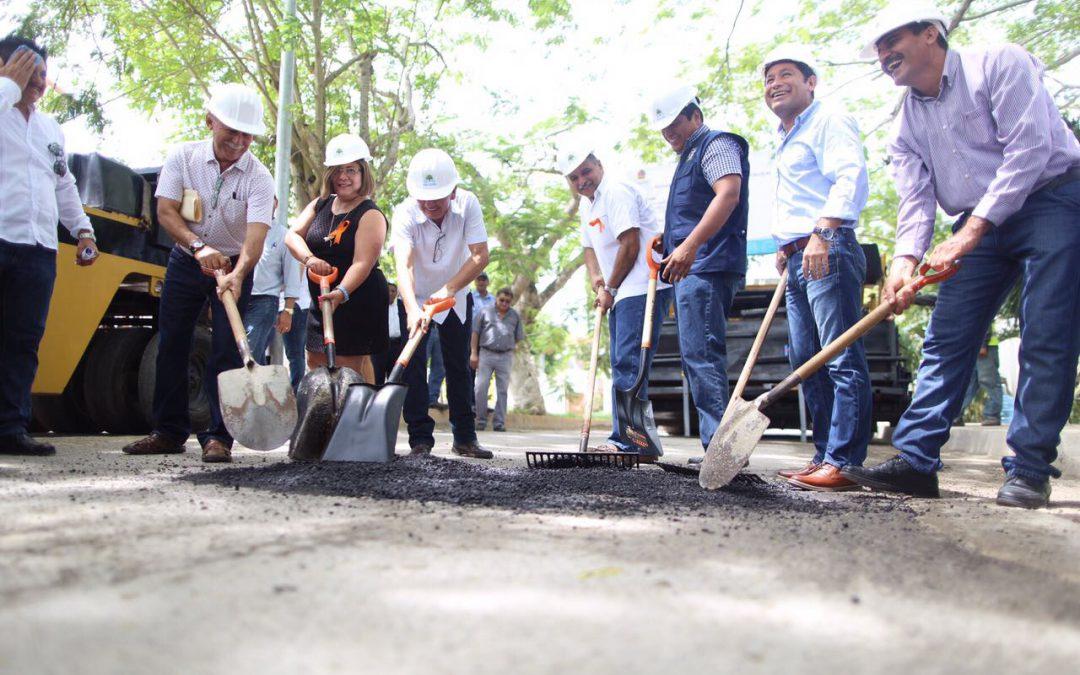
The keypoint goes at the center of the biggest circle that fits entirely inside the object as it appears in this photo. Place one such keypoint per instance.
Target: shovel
(368, 426)
(257, 402)
(320, 398)
(635, 414)
(586, 423)
(744, 423)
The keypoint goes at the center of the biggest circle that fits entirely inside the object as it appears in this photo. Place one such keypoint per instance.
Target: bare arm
(294, 240)
(478, 260)
(629, 248)
(368, 243)
(404, 260)
(726, 198)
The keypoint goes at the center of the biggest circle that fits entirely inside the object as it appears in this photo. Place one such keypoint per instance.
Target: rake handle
(586, 422)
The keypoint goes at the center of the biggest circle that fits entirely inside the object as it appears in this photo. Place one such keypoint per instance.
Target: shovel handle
(650, 297)
(324, 281)
(430, 310)
(586, 422)
(763, 331)
(927, 275)
(236, 323)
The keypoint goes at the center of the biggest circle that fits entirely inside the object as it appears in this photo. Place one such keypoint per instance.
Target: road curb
(990, 442)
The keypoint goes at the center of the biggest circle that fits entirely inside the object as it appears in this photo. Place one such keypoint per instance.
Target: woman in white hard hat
(344, 228)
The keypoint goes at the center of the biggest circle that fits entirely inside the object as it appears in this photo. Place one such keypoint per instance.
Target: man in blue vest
(704, 243)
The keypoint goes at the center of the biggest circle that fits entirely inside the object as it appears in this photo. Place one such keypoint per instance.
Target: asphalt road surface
(116, 564)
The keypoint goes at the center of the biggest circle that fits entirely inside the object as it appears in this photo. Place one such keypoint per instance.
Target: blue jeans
(1040, 246)
(260, 320)
(27, 274)
(986, 376)
(818, 312)
(702, 303)
(454, 348)
(293, 342)
(437, 372)
(183, 299)
(625, 323)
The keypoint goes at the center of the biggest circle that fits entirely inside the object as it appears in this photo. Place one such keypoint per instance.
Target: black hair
(807, 71)
(690, 109)
(9, 44)
(482, 275)
(917, 27)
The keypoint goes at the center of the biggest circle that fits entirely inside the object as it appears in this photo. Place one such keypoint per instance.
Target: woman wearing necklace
(344, 228)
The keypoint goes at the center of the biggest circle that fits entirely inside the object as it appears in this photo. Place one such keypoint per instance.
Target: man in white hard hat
(617, 226)
(216, 199)
(821, 187)
(704, 243)
(440, 247)
(36, 191)
(979, 135)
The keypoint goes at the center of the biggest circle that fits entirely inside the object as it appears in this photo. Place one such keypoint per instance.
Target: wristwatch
(86, 234)
(196, 246)
(613, 290)
(826, 233)
(288, 310)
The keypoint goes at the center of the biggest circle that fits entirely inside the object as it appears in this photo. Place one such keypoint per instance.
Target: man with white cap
(979, 135)
(217, 201)
(440, 246)
(617, 226)
(821, 187)
(704, 243)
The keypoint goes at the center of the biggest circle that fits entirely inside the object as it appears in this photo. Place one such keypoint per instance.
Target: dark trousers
(383, 362)
(27, 274)
(454, 341)
(293, 342)
(186, 292)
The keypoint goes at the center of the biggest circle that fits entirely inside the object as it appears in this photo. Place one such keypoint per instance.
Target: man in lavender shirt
(979, 135)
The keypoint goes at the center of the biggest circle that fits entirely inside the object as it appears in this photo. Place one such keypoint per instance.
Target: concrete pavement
(116, 564)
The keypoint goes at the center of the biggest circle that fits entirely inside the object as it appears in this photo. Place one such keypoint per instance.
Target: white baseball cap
(238, 107)
(345, 149)
(791, 52)
(572, 153)
(432, 175)
(664, 109)
(894, 16)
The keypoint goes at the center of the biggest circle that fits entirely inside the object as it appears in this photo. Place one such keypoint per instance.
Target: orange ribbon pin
(597, 223)
(335, 236)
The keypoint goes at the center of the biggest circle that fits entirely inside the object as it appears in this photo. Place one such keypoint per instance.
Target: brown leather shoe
(154, 444)
(826, 479)
(810, 468)
(216, 451)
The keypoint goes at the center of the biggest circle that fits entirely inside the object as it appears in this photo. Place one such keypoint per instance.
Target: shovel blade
(368, 428)
(320, 398)
(258, 405)
(732, 443)
(638, 423)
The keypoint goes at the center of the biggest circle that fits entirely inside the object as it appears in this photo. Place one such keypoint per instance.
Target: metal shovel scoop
(744, 423)
(635, 414)
(368, 426)
(320, 398)
(257, 402)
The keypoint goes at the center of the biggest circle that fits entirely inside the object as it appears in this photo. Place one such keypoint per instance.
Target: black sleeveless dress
(360, 325)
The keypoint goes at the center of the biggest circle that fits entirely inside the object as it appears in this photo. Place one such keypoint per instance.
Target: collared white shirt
(32, 197)
(615, 208)
(440, 252)
(242, 194)
(393, 321)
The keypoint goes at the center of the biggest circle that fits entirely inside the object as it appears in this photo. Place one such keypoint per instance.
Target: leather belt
(791, 248)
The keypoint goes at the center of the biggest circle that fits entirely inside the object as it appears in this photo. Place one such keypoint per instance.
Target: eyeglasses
(59, 166)
(437, 255)
(351, 172)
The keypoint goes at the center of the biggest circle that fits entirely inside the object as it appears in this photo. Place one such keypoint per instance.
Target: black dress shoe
(1027, 493)
(894, 475)
(698, 459)
(22, 444)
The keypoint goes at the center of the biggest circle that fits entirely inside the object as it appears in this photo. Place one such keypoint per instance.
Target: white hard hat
(238, 107)
(346, 149)
(572, 153)
(667, 107)
(791, 52)
(894, 16)
(432, 175)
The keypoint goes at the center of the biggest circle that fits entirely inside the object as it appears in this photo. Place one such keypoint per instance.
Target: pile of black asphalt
(601, 491)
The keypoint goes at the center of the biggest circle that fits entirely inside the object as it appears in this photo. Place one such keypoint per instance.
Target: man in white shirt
(617, 227)
(36, 191)
(440, 246)
(222, 239)
(276, 275)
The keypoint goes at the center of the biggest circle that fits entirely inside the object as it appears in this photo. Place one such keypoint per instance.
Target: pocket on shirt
(234, 211)
(975, 127)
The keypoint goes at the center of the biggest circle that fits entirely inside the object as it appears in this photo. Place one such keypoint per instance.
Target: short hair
(367, 180)
(9, 44)
(391, 283)
(917, 27)
(690, 109)
(807, 71)
(505, 290)
(482, 275)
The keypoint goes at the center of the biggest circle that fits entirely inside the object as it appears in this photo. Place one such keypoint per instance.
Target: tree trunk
(525, 382)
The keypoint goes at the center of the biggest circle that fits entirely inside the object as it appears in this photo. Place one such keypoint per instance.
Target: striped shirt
(989, 139)
(242, 194)
(720, 158)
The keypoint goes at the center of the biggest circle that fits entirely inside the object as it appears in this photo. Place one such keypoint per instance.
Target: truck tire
(64, 413)
(111, 381)
(198, 403)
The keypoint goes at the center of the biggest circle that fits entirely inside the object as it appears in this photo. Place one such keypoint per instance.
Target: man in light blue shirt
(821, 187)
(277, 273)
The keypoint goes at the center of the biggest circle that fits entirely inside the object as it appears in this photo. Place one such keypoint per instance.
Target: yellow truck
(96, 360)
